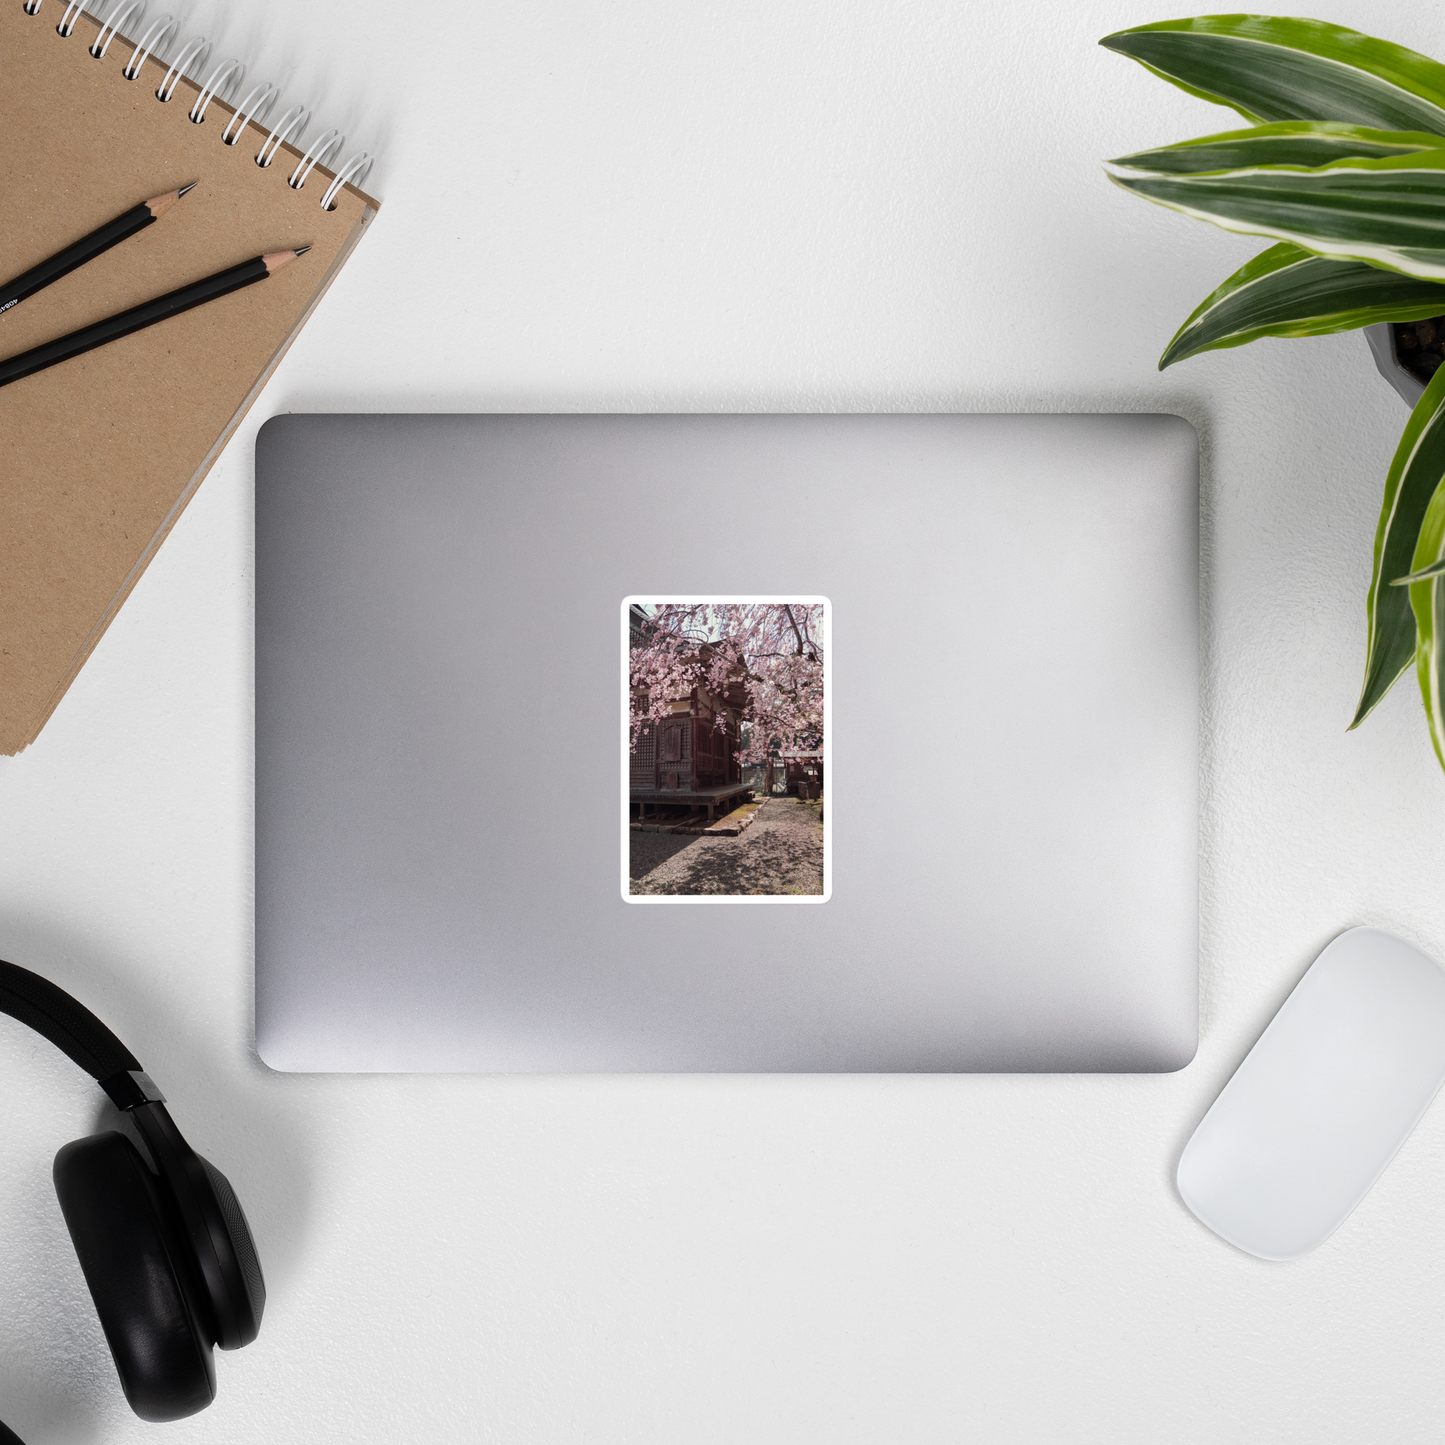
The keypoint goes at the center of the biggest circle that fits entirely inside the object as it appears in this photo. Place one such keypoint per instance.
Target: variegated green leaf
(1286, 143)
(1288, 292)
(1386, 212)
(1414, 478)
(1427, 597)
(1273, 68)
(1435, 569)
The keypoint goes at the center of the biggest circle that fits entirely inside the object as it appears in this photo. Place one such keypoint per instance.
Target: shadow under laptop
(58, 1382)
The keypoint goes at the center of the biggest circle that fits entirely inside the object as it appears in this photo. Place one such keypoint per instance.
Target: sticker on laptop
(725, 750)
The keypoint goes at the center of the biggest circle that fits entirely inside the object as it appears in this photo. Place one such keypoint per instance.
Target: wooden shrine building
(804, 772)
(688, 759)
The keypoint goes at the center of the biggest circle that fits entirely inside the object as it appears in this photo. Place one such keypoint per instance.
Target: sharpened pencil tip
(159, 205)
(275, 260)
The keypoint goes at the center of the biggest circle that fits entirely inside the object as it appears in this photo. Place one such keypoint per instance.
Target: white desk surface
(840, 205)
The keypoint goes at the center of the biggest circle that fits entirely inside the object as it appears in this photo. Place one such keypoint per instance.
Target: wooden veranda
(712, 799)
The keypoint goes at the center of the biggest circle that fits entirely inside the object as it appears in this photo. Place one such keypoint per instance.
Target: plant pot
(1381, 338)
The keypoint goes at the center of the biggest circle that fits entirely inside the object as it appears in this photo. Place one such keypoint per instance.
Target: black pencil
(146, 314)
(62, 263)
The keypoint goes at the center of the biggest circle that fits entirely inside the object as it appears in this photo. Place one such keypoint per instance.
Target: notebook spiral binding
(220, 82)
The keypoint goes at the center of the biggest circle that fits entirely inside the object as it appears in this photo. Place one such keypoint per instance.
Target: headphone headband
(75, 1031)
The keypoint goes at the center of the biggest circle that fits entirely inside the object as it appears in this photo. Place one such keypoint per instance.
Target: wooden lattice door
(643, 771)
(675, 758)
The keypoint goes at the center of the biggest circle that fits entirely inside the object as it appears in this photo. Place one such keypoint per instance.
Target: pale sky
(713, 631)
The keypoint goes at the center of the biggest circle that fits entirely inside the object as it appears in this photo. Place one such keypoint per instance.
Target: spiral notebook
(100, 454)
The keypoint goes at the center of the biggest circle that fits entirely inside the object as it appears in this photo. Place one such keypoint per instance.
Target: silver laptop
(966, 842)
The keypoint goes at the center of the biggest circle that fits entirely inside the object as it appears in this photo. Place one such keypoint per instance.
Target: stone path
(781, 853)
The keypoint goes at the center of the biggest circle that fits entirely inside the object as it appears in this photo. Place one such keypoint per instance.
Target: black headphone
(163, 1243)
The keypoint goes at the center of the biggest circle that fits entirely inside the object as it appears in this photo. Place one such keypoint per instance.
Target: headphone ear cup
(245, 1310)
(133, 1259)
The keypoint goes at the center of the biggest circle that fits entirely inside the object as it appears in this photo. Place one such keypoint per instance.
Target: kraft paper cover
(99, 455)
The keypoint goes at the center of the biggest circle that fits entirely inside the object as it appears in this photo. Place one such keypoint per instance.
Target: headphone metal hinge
(131, 1089)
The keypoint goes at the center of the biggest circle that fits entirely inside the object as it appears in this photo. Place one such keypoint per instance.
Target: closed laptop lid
(1011, 789)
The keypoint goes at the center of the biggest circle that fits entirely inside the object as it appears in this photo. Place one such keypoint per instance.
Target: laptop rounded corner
(270, 429)
(1181, 427)
(1180, 1055)
(273, 1058)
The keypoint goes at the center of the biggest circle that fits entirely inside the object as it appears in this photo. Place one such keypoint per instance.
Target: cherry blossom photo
(725, 750)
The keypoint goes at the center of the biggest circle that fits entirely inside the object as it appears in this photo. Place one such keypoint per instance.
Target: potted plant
(1343, 166)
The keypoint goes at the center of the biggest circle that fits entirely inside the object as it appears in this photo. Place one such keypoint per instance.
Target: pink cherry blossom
(757, 666)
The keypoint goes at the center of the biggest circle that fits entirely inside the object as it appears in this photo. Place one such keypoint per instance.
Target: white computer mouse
(1323, 1101)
